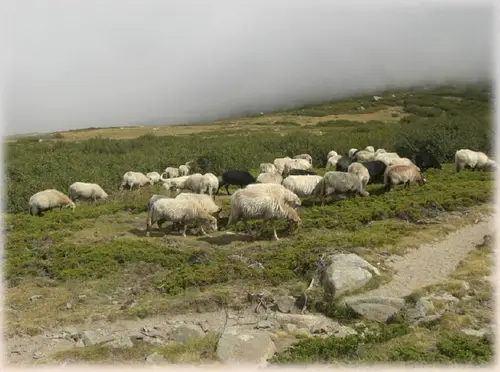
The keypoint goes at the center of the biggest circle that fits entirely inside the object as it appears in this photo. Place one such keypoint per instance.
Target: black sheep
(240, 178)
(425, 160)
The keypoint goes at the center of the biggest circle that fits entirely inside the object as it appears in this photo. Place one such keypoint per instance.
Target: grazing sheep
(380, 151)
(177, 183)
(397, 174)
(330, 154)
(155, 176)
(241, 178)
(332, 161)
(171, 172)
(193, 183)
(132, 179)
(490, 166)
(398, 161)
(83, 190)
(180, 211)
(363, 155)
(303, 186)
(343, 163)
(205, 202)
(425, 160)
(305, 157)
(286, 195)
(209, 184)
(301, 172)
(183, 170)
(251, 204)
(369, 149)
(154, 198)
(385, 155)
(360, 170)
(267, 168)
(269, 177)
(376, 169)
(340, 183)
(351, 152)
(279, 163)
(296, 164)
(469, 159)
(49, 199)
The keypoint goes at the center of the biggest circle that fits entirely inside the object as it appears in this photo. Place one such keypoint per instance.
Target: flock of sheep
(274, 194)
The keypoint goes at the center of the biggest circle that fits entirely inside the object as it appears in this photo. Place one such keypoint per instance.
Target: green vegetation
(101, 248)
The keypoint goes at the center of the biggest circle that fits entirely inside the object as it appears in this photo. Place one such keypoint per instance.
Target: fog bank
(115, 63)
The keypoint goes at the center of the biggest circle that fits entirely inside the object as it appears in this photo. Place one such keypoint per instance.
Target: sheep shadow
(155, 233)
(227, 238)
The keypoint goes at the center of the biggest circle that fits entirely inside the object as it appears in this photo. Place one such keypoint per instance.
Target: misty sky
(77, 64)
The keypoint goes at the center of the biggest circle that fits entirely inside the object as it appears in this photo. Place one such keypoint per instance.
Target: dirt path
(433, 263)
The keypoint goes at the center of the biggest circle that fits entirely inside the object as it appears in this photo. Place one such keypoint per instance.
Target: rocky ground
(254, 336)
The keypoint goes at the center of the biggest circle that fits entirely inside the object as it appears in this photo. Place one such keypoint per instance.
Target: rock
(88, 338)
(289, 327)
(245, 346)
(264, 324)
(79, 343)
(38, 355)
(69, 306)
(204, 326)
(122, 342)
(155, 358)
(377, 308)
(422, 308)
(35, 297)
(71, 333)
(285, 304)
(429, 319)
(475, 332)
(314, 323)
(186, 332)
(347, 272)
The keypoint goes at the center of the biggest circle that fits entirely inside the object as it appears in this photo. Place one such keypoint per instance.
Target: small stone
(155, 358)
(38, 355)
(79, 343)
(290, 328)
(264, 324)
(88, 337)
(474, 332)
(204, 326)
(69, 306)
(285, 304)
(35, 297)
(122, 342)
(187, 332)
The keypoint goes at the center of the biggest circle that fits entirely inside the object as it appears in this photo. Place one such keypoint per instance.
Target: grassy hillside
(100, 250)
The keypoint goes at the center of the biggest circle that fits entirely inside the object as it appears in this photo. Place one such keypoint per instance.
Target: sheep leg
(227, 189)
(274, 231)
(184, 230)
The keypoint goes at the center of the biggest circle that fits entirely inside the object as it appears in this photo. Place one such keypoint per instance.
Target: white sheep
(385, 155)
(205, 202)
(279, 163)
(332, 161)
(267, 168)
(269, 177)
(351, 152)
(363, 155)
(340, 183)
(466, 158)
(490, 166)
(84, 190)
(361, 171)
(184, 170)
(154, 198)
(155, 176)
(380, 151)
(132, 179)
(209, 184)
(49, 199)
(405, 174)
(369, 149)
(296, 164)
(397, 161)
(193, 183)
(251, 204)
(171, 172)
(330, 154)
(305, 157)
(177, 183)
(303, 186)
(180, 211)
(286, 195)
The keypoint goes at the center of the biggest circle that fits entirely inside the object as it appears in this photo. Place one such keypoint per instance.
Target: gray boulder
(238, 345)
